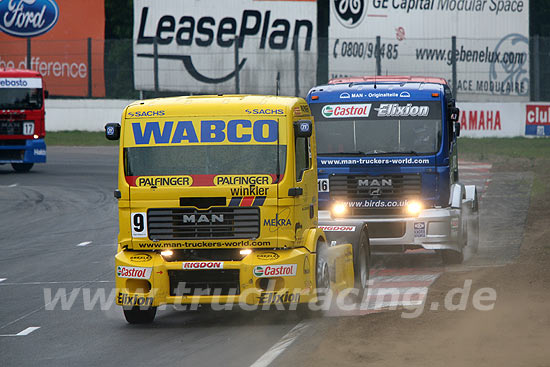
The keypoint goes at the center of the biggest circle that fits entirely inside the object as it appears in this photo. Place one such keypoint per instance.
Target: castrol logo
(202, 265)
(133, 272)
(266, 271)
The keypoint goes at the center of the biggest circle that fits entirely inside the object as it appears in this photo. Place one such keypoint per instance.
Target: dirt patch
(516, 332)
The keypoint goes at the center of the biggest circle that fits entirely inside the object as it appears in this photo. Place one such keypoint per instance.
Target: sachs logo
(28, 18)
(350, 13)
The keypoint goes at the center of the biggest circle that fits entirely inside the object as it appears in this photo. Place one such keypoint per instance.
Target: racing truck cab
(22, 128)
(387, 153)
(218, 203)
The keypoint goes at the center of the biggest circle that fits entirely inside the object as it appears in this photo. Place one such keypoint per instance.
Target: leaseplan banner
(196, 45)
(491, 48)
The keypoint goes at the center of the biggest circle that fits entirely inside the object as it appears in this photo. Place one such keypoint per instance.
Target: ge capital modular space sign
(196, 43)
(491, 51)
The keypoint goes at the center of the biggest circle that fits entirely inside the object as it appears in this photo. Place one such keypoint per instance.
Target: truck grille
(386, 229)
(382, 187)
(191, 224)
(11, 127)
(204, 282)
(12, 155)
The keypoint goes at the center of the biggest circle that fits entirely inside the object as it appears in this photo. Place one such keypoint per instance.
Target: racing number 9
(139, 225)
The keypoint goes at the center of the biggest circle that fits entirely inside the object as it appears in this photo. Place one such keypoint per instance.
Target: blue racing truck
(387, 155)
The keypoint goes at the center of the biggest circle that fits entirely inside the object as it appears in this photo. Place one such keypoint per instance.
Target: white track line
(25, 332)
(82, 244)
(2, 279)
(66, 282)
(282, 344)
(28, 330)
(13, 185)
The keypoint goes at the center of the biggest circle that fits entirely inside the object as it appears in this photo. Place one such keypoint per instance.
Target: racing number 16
(323, 185)
(139, 225)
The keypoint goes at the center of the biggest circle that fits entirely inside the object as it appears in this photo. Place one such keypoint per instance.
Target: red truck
(22, 128)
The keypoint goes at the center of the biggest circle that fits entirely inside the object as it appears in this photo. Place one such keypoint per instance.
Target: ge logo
(350, 13)
(110, 130)
(304, 127)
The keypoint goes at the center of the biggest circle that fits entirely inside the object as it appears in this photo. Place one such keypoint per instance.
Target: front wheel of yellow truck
(139, 314)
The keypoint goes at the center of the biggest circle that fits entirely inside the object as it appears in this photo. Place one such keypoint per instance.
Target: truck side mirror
(303, 129)
(457, 129)
(46, 94)
(454, 113)
(112, 131)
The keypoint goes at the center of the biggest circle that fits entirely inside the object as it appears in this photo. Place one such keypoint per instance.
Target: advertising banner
(537, 119)
(58, 30)
(499, 120)
(491, 42)
(196, 45)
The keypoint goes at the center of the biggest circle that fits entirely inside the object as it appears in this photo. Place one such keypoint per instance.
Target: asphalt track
(58, 228)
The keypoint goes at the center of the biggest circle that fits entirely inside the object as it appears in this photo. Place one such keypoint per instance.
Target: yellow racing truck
(217, 200)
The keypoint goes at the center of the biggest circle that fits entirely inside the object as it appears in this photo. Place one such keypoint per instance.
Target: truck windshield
(20, 98)
(204, 160)
(378, 131)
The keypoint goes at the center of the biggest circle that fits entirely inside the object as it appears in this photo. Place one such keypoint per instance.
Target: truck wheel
(138, 315)
(452, 257)
(22, 167)
(473, 226)
(473, 233)
(322, 282)
(322, 275)
(361, 267)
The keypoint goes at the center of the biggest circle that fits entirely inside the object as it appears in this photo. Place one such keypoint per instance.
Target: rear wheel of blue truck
(22, 167)
(140, 315)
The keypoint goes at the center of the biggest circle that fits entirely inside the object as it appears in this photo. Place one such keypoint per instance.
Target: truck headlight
(167, 253)
(339, 209)
(414, 208)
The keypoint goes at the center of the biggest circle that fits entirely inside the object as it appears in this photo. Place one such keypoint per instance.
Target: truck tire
(138, 315)
(22, 167)
(473, 233)
(361, 267)
(322, 271)
(473, 226)
(322, 282)
(451, 257)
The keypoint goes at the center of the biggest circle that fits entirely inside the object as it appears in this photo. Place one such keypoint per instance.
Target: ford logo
(28, 18)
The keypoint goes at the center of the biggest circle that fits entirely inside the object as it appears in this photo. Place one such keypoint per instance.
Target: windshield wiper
(413, 152)
(344, 153)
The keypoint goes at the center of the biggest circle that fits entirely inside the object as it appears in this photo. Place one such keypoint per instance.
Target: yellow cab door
(305, 185)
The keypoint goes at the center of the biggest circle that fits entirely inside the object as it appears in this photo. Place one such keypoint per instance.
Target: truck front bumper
(33, 151)
(432, 229)
(145, 278)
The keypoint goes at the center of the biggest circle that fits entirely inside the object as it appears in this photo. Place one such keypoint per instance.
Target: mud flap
(340, 261)
(340, 231)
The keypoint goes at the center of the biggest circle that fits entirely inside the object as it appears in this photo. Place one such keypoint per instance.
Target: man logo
(375, 185)
(350, 13)
(202, 218)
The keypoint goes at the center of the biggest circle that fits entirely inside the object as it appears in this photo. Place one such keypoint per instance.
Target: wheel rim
(323, 278)
(364, 270)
